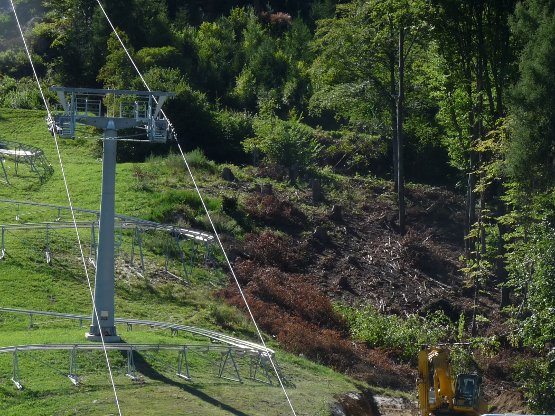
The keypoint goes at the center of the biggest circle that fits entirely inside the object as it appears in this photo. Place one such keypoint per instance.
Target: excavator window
(467, 389)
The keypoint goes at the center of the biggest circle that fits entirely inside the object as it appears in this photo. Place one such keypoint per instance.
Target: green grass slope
(27, 281)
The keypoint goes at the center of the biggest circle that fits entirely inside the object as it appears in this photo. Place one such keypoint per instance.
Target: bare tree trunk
(481, 74)
(470, 205)
(394, 145)
(394, 142)
(400, 144)
(501, 268)
(471, 180)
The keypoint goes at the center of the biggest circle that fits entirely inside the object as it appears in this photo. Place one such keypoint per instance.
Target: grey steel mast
(109, 110)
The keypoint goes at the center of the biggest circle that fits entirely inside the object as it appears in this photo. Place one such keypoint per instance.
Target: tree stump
(336, 213)
(266, 189)
(227, 175)
(321, 235)
(317, 192)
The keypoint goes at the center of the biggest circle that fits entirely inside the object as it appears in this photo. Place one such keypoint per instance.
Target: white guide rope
(206, 210)
(50, 120)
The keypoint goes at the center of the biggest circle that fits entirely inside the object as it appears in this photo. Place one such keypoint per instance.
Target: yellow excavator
(441, 394)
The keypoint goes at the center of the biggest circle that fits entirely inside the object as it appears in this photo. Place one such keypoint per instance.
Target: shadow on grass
(143, 367)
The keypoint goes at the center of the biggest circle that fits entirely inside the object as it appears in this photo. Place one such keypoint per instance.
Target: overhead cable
(50, 120)
(259, 333)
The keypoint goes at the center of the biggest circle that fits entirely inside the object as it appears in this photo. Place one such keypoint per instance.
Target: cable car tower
(109, 110)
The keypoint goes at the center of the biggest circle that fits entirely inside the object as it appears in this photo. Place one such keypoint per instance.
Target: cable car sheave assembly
(98, 107)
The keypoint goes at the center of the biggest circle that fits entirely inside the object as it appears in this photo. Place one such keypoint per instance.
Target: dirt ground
(354, 254)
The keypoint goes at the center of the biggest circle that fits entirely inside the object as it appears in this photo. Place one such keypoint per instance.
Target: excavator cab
(467, 391)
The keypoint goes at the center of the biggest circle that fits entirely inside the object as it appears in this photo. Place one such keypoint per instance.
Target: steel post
(73, 367)
(181, 255)
(131, 371)
(182, 359)
(228, 356)
(4, 170)
(132, 256)
(137, 238)
(92, 255)
(104, 279)
(140, 241)
(47, 247)
(3, 247)
(15, 375)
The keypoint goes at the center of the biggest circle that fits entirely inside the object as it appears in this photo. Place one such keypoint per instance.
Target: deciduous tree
(365, 57)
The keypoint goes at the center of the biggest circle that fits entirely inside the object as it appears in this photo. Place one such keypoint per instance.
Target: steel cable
(228, 262)
(50, 120)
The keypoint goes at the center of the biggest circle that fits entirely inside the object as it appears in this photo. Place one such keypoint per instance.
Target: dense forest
(443, 92)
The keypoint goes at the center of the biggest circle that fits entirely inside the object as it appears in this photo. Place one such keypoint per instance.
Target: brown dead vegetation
(301, 317)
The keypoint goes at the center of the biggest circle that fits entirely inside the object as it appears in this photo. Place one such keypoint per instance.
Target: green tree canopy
(531, 152)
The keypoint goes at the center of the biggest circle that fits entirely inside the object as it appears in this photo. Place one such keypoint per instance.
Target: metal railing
(185, 232)
(258, 362)
(213, 336)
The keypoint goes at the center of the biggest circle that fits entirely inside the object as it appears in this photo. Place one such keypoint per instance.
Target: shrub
(245, 89)
(300, 316)
(169, 206)
(537, 377)
(230, 129)
(143, 178)
(531, 264)
(272, 249)
(227, 316)
(22, 93)
(161, 244)
(229, 204)
(402, 337)
(197, 160)
(165, 57)
(14, 62)
(272, 171)
(173, 161)
(353, 152)
(294, 294)
(324, 346)
(222, 222)
(288, 143)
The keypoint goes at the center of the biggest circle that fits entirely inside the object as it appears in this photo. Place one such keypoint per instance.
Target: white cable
(122, 44)
(118, 138)
(207, 214)
(70, 204)
(235, 278)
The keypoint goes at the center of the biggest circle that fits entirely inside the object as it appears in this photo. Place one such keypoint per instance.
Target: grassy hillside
(27, 281)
